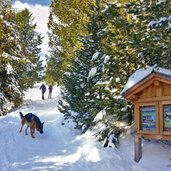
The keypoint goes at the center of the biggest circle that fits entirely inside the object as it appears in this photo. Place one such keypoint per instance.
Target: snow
(141, 74)
(9, 68)
(137, 77)
(162, 19)
(161, 1)
(63, 148)
(163, 71)
(155, 24)
(117, 79)
(100, 115)
(102, 82)
(1, 95)
(6, 55)
(95, 56)
(106, 59)
(92, 73)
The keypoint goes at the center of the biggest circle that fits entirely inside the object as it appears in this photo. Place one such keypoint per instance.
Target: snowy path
(63, 148)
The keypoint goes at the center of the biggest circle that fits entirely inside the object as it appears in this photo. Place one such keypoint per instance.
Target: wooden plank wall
(155, 91)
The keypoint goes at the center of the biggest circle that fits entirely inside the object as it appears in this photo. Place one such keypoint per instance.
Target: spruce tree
(78, 83)
(64, 30)
(8, 84)
(28, 50)
(101, 68)
(19, 54)
(152, 26)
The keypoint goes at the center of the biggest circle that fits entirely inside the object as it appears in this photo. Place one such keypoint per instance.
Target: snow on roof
(141, 74)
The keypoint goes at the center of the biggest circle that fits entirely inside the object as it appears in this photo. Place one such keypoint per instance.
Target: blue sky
(33, 2)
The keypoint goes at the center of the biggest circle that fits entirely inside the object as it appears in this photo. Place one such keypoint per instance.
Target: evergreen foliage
(118, 38)
(28, 49)
(92, 86)
(19, 54)
(153, 31)
(8, 84)
(65, 28)
(125, 36)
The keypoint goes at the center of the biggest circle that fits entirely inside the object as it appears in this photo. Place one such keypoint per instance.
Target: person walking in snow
(43, 88)
(50, 91)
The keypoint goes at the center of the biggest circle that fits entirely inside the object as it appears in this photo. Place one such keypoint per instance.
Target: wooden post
(138, 149)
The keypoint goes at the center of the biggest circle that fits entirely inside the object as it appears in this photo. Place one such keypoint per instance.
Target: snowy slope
(65, 149)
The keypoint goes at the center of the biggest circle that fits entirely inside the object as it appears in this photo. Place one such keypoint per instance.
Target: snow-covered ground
(63, 148)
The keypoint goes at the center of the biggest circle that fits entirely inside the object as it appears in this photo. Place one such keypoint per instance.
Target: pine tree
(19, 52)
(77, 84)
(65, 28)
(76, 91)
(28, 50)
(54, 72)
(117, 61)
(152, 28)
(8, 84)
(101, 68)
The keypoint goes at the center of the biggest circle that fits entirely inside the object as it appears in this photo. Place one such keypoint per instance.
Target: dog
(31, 121)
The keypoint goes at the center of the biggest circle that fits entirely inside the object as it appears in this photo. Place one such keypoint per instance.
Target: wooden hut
(150, 92)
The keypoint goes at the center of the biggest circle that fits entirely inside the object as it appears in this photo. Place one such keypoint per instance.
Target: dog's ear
(43, 123)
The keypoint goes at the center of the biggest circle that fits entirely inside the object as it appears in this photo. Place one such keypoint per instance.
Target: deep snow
(63, 148)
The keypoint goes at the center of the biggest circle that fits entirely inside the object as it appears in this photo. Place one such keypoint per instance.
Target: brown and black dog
(31, 121)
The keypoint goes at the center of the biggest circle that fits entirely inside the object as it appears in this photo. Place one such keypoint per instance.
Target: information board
(148, 118)
(167, 117)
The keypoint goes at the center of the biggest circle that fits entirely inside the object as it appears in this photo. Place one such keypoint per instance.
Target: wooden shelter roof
(144, 77)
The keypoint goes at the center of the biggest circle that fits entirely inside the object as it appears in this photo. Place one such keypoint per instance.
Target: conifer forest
(94, 48)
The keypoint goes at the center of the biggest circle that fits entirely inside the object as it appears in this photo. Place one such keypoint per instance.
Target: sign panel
(148, 118)
(167, 117)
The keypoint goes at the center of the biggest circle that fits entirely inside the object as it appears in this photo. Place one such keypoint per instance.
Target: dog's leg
(22, 124)
(32, 131)
(21, 128)
(26, 130)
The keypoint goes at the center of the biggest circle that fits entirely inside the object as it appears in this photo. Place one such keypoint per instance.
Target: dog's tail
(21, 115)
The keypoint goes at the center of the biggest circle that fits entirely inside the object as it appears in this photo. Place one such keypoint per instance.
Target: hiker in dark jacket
(43, 88)
(50, 91)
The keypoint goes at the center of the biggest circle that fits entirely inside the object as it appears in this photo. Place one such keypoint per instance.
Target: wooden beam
(139, 87)
(154, 99)
(155, 136)
(138, 149)
(156, 83)
(134, 97)
(158, 91)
